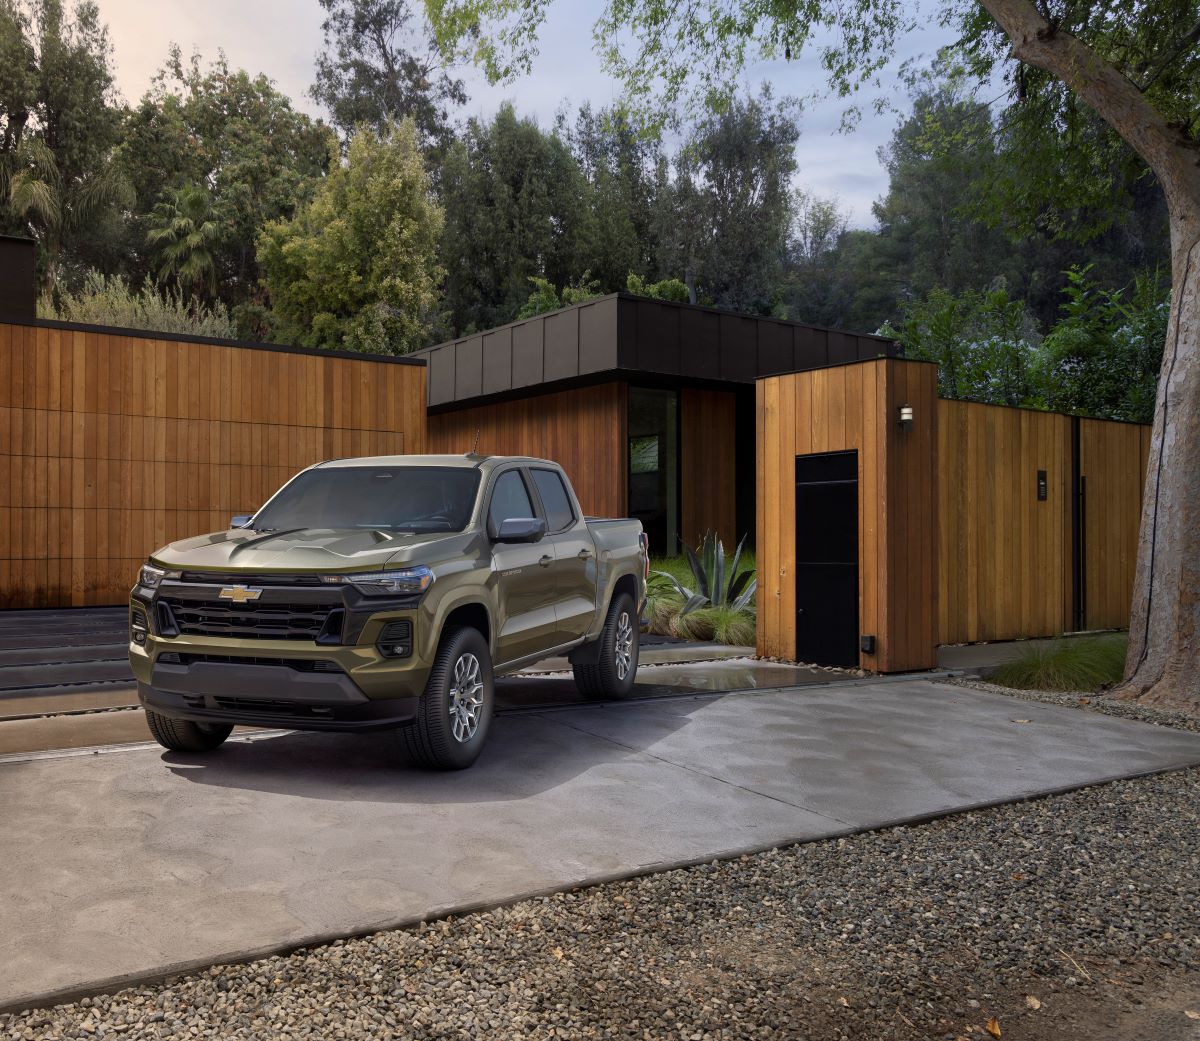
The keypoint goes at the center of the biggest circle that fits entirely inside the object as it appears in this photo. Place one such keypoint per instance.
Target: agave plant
(712, 588)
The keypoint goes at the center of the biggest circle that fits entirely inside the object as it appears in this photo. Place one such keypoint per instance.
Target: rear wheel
(182, 735)
(455, 712)
(613, 673)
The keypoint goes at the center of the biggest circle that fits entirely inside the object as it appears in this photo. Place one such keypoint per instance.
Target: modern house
(886, 520)
(648, 404)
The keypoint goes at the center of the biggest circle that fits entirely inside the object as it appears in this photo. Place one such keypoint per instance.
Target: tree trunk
(1163, 667)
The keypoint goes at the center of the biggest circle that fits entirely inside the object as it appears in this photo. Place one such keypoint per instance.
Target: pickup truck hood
(304, 549)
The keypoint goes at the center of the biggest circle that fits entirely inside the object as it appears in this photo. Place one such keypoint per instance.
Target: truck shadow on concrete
(528, 752)
(532, 748)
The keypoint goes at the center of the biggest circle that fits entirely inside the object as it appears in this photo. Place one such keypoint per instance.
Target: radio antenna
(476, 444)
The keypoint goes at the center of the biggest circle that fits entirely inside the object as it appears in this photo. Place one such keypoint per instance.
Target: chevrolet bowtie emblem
(239, 594)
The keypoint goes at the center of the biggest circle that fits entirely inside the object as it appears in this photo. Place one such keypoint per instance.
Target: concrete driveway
(135, 862)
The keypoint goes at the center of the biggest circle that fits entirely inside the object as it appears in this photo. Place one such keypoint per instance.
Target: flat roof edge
(211, 341)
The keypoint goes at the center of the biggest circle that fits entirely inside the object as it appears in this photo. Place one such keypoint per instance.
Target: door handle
(584, 554)
(546, 561)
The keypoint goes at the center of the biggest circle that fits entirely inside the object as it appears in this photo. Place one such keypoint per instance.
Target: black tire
(610, 676)
(437, 739)
(182, 735)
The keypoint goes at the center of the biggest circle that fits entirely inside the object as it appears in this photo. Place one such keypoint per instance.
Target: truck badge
(239, 594)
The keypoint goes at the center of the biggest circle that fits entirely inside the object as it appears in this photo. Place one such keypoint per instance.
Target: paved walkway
(135, 862)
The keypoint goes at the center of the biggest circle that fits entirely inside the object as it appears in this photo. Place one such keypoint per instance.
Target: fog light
(395, 639)
(139, 637)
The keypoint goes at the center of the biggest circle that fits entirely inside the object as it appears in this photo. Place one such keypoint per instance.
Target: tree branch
(1172, 156)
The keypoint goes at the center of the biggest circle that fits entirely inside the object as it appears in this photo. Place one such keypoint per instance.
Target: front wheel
(455, 712)
(182, 735)
(613, 673)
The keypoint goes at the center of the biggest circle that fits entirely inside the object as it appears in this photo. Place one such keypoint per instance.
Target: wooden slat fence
(113, 444)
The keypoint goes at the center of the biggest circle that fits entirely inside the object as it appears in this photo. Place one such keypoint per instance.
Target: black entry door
(827, 558)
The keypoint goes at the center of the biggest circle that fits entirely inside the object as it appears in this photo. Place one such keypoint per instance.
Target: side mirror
(241, 520)
(521, 529)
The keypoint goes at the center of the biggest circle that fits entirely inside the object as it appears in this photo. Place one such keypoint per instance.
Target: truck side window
(509, 499)
(559, 515)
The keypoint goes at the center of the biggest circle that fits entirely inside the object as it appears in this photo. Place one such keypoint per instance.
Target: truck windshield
(388, 498)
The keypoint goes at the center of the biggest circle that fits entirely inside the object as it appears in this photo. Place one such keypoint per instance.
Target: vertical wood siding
(1004, 558)
(854, 407)
(111, 446)
(583, 430)
(1112, 460)
(709, 441)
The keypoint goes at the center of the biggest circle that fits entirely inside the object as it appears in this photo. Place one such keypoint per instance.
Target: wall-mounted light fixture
(906, 417)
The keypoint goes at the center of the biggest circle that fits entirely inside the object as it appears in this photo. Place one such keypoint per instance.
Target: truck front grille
(255, 621)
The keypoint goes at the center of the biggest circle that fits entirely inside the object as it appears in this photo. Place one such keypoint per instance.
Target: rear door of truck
(575, 571)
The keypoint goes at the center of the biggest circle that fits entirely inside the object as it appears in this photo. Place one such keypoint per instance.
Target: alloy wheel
(466, 698)
(624, 645)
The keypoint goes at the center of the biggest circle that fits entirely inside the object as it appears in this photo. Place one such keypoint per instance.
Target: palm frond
(29, 195)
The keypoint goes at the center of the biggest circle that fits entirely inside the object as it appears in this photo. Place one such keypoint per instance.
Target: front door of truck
(524, 576)
(575, 571)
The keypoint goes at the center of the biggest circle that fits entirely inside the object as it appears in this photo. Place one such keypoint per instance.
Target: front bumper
(340, 680)
(255, 696)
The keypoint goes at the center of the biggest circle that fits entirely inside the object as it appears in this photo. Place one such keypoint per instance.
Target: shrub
(719, 624)
(1088, 663)
(111, 301)
(714, 583)
(730, 621)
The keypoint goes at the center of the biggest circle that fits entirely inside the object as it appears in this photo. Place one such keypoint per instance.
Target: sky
(282, 37)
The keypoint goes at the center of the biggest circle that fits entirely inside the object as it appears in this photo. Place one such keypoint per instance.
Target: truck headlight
(151, 575)
(409, 581)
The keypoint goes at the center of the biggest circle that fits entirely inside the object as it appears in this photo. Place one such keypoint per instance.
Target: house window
(653, 462)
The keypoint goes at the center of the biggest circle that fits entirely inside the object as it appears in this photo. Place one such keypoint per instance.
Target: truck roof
(464, 461)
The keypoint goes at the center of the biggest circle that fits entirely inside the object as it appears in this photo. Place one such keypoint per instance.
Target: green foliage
(240, 138)
(56, 208)
(724, 219)
(1103, 356)
(111, 301)
(671, 56)
(714, 584)
(665, 599)
(938, 227)
(718, 624)
(356, 268)
(623, 174)
(515, 203)
(184, 235)
(668, 289)
(982, 342)
(57, 129)
(546, 298)
(378, 67)
(1083, 663)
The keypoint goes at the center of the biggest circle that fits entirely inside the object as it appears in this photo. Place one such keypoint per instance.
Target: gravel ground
(1068, 918)
(1091, 703)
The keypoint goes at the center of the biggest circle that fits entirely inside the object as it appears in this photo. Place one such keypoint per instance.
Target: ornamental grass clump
(1083, 663)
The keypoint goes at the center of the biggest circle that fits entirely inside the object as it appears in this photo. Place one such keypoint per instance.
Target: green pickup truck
(386, 592)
